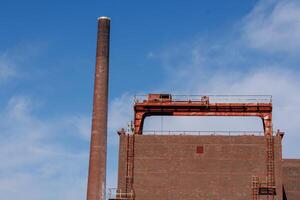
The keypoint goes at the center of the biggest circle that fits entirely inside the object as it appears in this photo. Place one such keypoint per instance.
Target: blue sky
(47, 57)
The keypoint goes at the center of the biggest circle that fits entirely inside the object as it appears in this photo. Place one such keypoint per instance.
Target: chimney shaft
(97, 164)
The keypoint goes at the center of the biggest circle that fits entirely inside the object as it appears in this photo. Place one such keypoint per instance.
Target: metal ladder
(255, 187)
(270, 166)
(130, 166)
(268, 186)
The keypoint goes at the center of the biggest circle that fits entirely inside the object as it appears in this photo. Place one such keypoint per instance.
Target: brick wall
(291, 179)
(197, 167)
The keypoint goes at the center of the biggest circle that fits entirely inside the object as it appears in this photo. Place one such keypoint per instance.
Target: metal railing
(213, 98)
(213, 133)
(118, 194)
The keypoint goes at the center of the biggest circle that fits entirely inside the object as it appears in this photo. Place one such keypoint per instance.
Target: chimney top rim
(103, 17)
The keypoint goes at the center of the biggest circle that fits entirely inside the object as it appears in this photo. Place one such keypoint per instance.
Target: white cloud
(81, 123)
(7, 69)
(118, 112)
(14, 61)
(274, 26)
(35, 163)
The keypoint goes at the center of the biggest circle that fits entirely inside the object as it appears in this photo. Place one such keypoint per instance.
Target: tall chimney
(97, 168)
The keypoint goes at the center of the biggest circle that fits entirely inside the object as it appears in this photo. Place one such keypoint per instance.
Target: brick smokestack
(97, 165)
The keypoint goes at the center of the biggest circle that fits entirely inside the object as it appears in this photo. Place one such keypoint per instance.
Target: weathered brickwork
(197, 167)
(291, 179)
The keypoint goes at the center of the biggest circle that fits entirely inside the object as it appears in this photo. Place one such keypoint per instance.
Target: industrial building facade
(196, 167)
(207, 165)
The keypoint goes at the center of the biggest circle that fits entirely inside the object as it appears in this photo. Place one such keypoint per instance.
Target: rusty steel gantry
(165, 105)
(226, 105)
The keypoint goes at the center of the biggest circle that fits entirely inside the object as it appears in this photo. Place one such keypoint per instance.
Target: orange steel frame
(164, 105)
(148, 108)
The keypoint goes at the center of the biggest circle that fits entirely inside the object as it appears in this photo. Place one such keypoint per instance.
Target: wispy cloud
(118, 112)
(36, 164)
(7, 69)
(13, 61)
(43, 158)
(274, 26)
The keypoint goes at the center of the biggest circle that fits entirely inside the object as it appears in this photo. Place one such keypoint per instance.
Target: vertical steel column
(97, 163)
